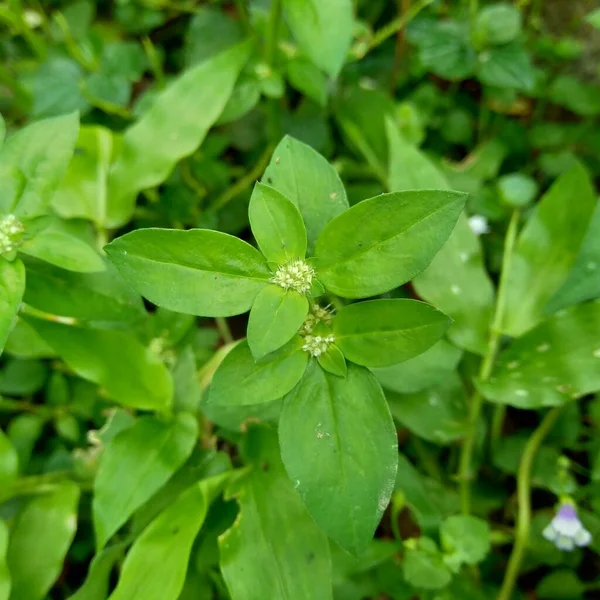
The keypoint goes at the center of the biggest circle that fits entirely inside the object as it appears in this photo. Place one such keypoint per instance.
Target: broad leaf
(135, 464)
(12, 286)
(129, 373)
(339, 447)
(557, 361)
(507, 66)
(39, 540)
(310, 182)
(465, 539)
(276, 224)
(423, 565)
(275, 318)
(156, 566)
(323, 30)
(378, 333)
(273, 550)
(240, 380)
(172, 128)
(200, 272)
(41, 169)
(384, 242)
(547, 248)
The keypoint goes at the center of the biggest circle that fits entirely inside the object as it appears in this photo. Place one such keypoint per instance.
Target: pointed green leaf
(384, 242)
(547, 248)
(276, 224)
(339, 447)
(333, 361)
(555, 362)
(240, 380)
(173, 127)
(378, 333)
(12, 287)
(200, 271)
(310, 182)
(128, 371)
(156, 566)
(39, 540)
(136, 463)
(97, 582)
(273, 550)
(323, 30)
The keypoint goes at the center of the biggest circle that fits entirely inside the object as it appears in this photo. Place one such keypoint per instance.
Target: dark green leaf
(9, 461)
(507, 66)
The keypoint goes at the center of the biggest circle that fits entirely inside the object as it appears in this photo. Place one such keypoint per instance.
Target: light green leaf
(437, 414)
(333, 361)
(555, 362)
(200, 272)
(97, 582)
(498, 24)
(378, 333)
(63, 250)
(5, 582)
(594, 18)
(339, 447)
(507, 66)
(276, 224)
(240, 380)
(9, 461)
(421, 372)
(423, 565)
(172, 128)
(129, 372)
(547, 248)
(83, 190)
(102, 296)
(307, 79)
(156, 566)
(39, 540)
(465, 540)
(12, 287)
(273, 550)
(323, 30)
(384, 242)
(275, 318)
(303, 176)
(136, 464)
(28, 151)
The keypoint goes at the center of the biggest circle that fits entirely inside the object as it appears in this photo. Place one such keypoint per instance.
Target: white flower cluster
(296, 275)
(11, 231)
(316, 345)
(317, 315)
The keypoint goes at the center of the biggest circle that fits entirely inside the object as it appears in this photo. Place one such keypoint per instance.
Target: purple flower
(566, 530)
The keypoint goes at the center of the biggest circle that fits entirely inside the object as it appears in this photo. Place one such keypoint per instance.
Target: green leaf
(323, 30)
(594, 18)
(276, 224)
(555, 362)
(199, 271)
(102, 296)
(339, 447)
(129, 372)
(83, 190)
(137, 463)
(240, 380)
(273, 550)
(507, 66)
(39, 540)
(384, 242)
(275, 318)
(423, 565)
(562, 584)
(5, 582)
(156, 566)
(547, 248)
(576, 95)
(437, 414)
(27, 150)
(97, 582)
(12, 287)
(456, 280)
(421, 372)
(333, 361)
(307, 79)
(171, 129)
(63, 250)
(9, 461)
(498, 24)
(378, 333)
(303, 176)
(517, 190)
(465, 540)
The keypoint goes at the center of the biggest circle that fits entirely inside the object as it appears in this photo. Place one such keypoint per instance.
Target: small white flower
(566, 530)
(296, 275)
(316, 345)
(11, 233)
(479, 225)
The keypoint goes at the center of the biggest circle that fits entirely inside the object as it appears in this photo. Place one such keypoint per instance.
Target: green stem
(273, 32)
(242, 10)
(224, 330)
(523, 496)
(154, 61)
(468, 446)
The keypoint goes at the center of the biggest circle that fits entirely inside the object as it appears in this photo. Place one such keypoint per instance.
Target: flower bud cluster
(11, 234)
(316, 345)
(296, 275)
